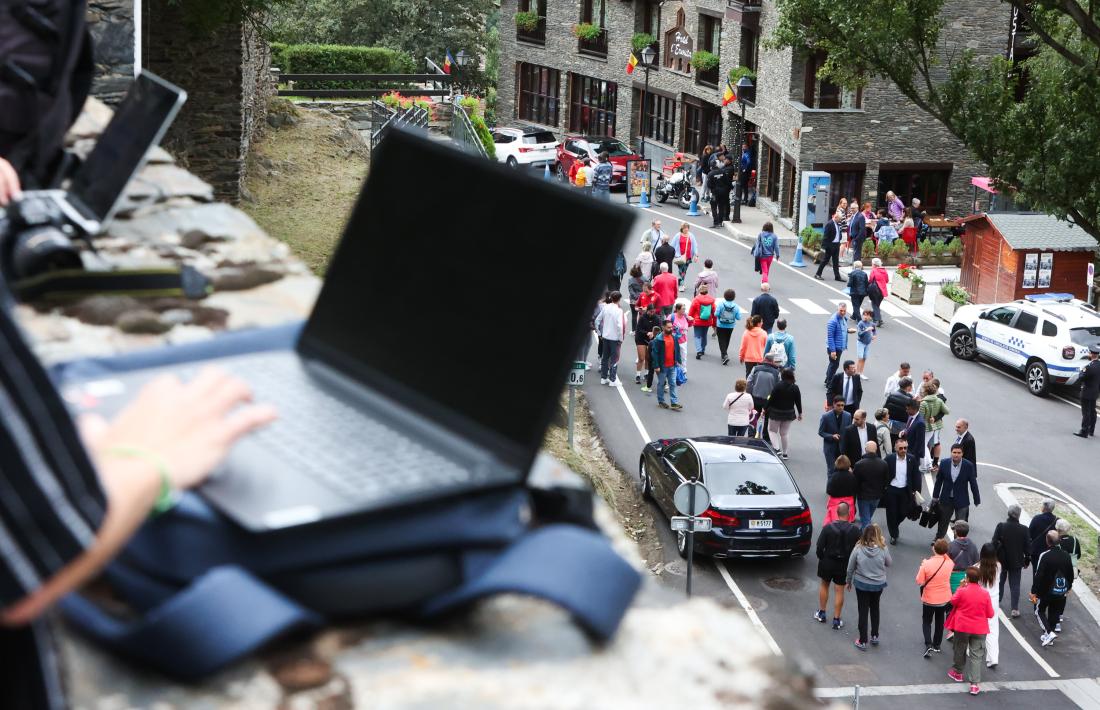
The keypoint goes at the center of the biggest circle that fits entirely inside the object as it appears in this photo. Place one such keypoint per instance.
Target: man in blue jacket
(830, 428)
(955, 474)
(836, 340)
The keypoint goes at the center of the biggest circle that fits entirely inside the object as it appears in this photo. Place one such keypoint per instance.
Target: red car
(575, 147)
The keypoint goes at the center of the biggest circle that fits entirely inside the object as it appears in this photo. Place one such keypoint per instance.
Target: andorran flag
(448, 62)
(728, 95)
(631, 63)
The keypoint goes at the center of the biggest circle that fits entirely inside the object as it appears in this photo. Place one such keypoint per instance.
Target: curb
(1084, 594)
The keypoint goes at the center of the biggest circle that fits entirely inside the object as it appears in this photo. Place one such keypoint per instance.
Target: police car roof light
(1048, 297)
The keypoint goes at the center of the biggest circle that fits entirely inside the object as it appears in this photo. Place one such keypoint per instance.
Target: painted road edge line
(737, 593)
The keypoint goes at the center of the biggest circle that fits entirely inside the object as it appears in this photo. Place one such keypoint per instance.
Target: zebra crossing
(815, 309)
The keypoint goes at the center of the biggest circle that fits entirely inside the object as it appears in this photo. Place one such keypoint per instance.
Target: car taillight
(794, 521)
(721, 520)
(525, 150)
(1069, 352)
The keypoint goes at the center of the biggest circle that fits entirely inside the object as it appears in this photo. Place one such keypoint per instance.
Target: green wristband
(167, 498)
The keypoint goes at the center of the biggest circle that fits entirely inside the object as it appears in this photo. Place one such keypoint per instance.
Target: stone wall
(112, 26)
(225, 76)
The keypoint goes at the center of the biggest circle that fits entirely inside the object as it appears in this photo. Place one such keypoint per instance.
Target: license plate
(754, 524)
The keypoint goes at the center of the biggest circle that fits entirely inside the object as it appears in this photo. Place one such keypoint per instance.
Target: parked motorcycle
(678, 186)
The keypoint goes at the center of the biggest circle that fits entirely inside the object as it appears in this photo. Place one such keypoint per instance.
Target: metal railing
(537, 35)
(464, 134)
(440, 85)
(597, 46)
(412, 117)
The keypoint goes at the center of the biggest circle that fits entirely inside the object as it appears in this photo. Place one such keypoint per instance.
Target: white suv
(1045, 336)
(534, 147)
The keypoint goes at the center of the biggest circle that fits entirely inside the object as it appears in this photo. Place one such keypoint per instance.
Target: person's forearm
(131, 487)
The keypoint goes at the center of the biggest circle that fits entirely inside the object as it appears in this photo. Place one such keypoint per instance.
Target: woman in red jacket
(971, 610)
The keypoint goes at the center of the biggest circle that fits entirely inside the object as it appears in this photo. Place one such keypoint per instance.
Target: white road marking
(891, 310)
(1084, 512)
(809, 306)
(988, 686)
(737, 593)
(918, 331)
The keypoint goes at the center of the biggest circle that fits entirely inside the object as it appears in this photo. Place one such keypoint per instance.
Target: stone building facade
(869, 141)
(225, 74)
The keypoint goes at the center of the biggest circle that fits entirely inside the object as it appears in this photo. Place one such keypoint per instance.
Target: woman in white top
(739, 405)
(989, 571)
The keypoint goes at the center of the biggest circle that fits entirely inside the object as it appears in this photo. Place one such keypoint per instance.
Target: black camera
(35, 238)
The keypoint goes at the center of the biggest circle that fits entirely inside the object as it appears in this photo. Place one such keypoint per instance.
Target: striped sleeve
(51, 503)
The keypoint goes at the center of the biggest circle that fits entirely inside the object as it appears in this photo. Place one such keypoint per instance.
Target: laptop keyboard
(347, 450)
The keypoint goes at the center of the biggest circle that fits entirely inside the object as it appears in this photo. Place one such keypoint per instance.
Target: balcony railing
(536, 36)
(708, 77)
(596, 47)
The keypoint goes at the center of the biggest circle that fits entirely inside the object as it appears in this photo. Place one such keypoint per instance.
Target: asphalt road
(1020, 439)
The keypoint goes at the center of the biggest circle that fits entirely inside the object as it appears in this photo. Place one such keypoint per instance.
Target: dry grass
(303, 180)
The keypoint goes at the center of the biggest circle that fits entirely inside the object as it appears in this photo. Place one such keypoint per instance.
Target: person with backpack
(740, 408)
(707, 276)
(1037, 531)
(727, 315)
(687, 251)
(762, 380)
(615, 278)
(1010, 540)
(1072, 547)
(766, 250)
(703, 318)
(971, 610)
(962, 551)
(878, 287)
(867, 574)
(682, 321)
(601, 177)
(1050, 586)
(780, 345)
(783, 407)
(751, 353)
(834, 547)
(934, 578)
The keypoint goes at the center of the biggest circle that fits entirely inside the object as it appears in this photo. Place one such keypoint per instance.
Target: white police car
(1045, 336)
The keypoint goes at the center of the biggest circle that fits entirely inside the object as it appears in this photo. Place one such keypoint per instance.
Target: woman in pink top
(934, 577)
(752, 344)
(971, 610)
(683, 322)
(881, 278)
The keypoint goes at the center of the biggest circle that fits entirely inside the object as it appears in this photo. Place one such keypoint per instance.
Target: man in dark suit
(955, 474)
(766, 307)
(905, 482)
(854, 441)
(857, 232)
(830, 428)
(847, 385)
(1090, 392)
(966, 440)
(831, 238)
(720, 182)
(871, 476)
(913, 430)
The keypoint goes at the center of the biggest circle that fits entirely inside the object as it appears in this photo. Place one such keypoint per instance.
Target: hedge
(340, 59)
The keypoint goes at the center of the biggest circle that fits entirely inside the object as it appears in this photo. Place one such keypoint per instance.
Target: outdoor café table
(941, 228)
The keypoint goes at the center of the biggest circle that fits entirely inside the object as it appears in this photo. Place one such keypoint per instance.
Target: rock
(194, 238)
(177, 316)
(240, 278)
(101, 310)
(142, 322)
(162, 182)
(296, 674)
(91, 122)
(216, 220)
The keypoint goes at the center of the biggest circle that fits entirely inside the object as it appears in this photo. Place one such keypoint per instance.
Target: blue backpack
(208, 593)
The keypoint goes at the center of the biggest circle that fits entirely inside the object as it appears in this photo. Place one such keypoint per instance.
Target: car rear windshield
(1085, 336)
(540, 137)
(746, 478)
(613, 147)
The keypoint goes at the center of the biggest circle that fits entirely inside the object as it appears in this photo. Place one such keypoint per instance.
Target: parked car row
(538, 148)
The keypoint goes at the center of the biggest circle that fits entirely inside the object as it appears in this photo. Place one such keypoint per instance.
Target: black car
(755, 505)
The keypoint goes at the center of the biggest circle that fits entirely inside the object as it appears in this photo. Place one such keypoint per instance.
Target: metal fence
(463, 133)
(383, 117)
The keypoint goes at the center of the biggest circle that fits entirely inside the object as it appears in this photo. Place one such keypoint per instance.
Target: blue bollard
(546, 172)
(693, 208)
(798, 256)
(643, 201)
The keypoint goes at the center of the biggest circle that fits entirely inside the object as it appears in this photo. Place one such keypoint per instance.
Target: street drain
(784, 584)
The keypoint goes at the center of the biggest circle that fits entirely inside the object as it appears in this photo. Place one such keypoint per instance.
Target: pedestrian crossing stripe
(885, 306)
(809, 306)
(748, 309)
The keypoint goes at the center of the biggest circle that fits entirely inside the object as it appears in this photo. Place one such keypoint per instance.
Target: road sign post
(576, 379)
(691, 499)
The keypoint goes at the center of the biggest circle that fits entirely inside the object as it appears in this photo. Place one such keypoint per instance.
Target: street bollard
(797, 262)
(644, 200)
(693, 208)
(546, 172)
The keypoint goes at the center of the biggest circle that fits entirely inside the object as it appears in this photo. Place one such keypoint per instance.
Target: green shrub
(955, 292)
(484, 134)
(586, 31)
(527, 21)
(641, 40)
(925, 249)
(278, 55)
(954, 247)
(472, 105)
(740, 71)
(938, 248)
(811, 238)
(341, 59)
(900, 249)
(704, 60)
(491, 106)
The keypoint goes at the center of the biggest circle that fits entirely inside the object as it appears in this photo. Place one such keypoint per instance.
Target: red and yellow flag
(729, 95)
(631, 63)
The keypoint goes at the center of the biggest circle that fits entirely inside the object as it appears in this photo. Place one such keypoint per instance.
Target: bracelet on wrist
(168, 496)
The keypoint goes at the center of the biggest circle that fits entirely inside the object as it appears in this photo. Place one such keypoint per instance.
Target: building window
(592, 104)
(750, 47)
(651, 23)
(593, 12)
(658, 118)
(929, 186)
(537, 35)
(788, 188)
(702, 125)
(770, 165)
(538, 94)
(710, 40)
(821, 93)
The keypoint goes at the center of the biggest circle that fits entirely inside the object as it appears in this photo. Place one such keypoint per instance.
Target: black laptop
(432, 363)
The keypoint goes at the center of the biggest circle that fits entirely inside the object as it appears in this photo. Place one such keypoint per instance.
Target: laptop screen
(138, 125)
(464, 289)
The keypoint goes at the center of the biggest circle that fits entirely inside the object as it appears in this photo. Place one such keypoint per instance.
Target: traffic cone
(798, 256)
(546, 172)
(644, 200)
(693, 208)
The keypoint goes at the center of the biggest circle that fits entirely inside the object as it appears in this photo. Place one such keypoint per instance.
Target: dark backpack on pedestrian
(45, 74)
(601, 176)
(837, 550)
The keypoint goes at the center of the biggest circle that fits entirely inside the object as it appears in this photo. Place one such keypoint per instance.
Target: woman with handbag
(687, 251)
(989, 572)
(934, 578)
(867, 574)
(783, 407)
(841, 488)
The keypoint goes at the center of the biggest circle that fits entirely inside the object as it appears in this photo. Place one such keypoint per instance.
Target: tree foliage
(419, 27)
(1046, 144)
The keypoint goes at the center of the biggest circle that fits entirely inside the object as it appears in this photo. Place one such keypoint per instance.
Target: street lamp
(744, 84)
(462, 58)
(649, 56)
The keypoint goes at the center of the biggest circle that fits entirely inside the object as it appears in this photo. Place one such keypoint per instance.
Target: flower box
(904, 289)
(945, 307)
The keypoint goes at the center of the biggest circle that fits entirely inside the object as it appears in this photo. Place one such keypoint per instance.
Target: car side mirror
(983, 315)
